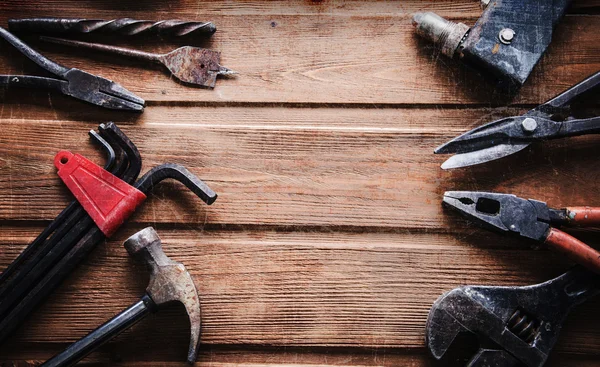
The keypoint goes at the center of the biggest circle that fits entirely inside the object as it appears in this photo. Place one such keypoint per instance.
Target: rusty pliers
(530, 219)
(71, 82)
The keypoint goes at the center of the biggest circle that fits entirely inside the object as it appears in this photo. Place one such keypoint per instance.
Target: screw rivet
(529, 125)
(506, 36)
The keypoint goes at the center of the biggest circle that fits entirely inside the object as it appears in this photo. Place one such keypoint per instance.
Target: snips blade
(483, 155)
(502, 212)
(496, 140)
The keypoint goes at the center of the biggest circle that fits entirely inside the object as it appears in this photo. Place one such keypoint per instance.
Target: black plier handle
(33, 55)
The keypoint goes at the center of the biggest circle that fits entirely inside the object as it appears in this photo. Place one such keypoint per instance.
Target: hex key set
(45, 263)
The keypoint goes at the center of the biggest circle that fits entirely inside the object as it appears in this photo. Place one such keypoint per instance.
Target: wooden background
(328, 243)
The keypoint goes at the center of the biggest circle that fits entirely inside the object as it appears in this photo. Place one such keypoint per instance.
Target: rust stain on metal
(169, 281)
(194, 65)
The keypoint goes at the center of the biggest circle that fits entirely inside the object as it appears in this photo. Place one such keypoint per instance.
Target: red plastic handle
(584, 216)
(574, 249)
(106, 198)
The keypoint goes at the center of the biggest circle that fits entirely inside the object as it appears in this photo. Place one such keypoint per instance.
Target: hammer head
(169, 281)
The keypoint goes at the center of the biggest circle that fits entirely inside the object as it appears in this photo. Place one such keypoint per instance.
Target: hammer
(169, 281)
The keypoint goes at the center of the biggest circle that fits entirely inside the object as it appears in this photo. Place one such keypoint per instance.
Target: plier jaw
(502, 212)
(101, 92)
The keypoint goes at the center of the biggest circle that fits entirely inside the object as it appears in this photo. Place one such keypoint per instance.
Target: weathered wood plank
(292, 357)
(326, 56)
(285, 357)
(278, 288)
(286, 167)
(109, 8)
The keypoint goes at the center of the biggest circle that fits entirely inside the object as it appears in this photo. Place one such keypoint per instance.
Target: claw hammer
(169, 281)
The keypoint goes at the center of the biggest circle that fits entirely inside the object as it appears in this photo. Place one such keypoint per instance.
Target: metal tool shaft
(84, 346)
(123, 26)
(122, 51)
(33, 55)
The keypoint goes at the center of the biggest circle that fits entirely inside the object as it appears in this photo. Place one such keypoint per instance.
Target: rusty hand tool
(192, 65)
(71, 82)
(551, 120)
(169, 281)
(123, 26)
(505, 326)
(92, 234)
(68, 228)
(530, 219)
(507, 41)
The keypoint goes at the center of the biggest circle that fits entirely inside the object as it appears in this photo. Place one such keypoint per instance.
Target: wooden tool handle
(584, 216)
(574, 249)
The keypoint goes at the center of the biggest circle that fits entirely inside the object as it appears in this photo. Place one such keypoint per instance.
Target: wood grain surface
(328, 242)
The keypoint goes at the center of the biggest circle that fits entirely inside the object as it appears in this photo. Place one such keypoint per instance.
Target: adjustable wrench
(506, 326)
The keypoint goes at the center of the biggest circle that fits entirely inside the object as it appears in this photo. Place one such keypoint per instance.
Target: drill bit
(122, 26)
(192, 65)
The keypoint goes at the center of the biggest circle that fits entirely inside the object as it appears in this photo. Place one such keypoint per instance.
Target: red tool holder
(106, 198)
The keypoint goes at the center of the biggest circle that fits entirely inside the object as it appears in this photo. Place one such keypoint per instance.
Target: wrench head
(452, 339)
(505, 326)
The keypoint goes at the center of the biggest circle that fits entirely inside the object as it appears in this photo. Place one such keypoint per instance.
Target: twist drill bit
(122, 26)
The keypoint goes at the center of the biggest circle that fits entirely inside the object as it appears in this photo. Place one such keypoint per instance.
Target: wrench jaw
(441, 327)
(467, 319)
(507, 326)
(453, 343)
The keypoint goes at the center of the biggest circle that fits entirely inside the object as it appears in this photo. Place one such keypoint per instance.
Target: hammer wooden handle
(81, 348)
(574, 249)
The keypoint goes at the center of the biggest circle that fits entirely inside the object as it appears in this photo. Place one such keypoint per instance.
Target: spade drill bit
(123, 26)
(192, 65)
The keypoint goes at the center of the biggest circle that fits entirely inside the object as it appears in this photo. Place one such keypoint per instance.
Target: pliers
(551, 120)
(530, 219)
(72, 82)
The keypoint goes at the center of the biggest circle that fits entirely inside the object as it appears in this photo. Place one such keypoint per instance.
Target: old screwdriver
(191, 65)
